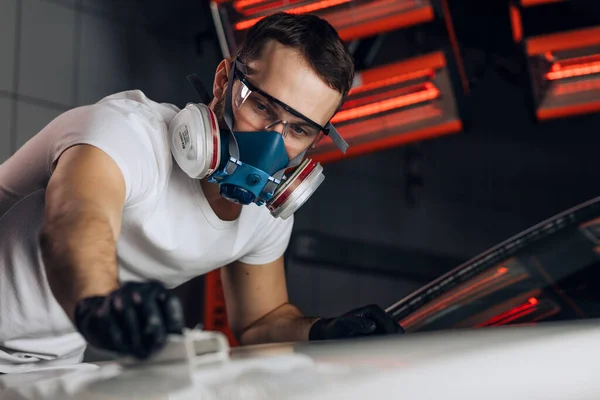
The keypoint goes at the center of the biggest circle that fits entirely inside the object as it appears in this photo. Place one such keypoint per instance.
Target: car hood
(554, 361)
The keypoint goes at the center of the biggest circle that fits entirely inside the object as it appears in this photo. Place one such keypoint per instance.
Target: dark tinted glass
(549, 273)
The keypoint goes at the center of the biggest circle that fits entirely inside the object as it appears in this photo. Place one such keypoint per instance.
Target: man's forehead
(284, 74)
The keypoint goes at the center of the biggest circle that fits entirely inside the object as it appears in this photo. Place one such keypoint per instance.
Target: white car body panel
(554, 361)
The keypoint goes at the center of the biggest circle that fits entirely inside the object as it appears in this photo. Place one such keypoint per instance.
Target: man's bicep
(253, 291)
(86, 178)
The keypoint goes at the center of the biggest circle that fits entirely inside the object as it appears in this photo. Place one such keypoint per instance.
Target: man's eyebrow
(272, 102)
(302, 123)
(297, 120)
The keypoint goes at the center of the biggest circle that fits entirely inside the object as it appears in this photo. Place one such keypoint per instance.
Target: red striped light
(240, 26)
(430, 93)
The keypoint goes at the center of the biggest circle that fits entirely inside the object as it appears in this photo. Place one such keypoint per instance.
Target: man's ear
(221, 77)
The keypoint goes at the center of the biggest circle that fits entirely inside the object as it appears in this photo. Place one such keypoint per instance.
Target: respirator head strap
(294, 162)
(234, 151)
(196, 82)
(335, 136)
(272, 185)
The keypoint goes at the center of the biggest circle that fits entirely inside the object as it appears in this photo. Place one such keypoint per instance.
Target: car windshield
(550, 272)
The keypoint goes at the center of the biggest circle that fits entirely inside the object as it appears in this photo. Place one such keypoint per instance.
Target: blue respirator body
(252, 180)
(249, 167)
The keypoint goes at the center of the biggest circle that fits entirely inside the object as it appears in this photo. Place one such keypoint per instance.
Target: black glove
(132, 320)
(364, 321)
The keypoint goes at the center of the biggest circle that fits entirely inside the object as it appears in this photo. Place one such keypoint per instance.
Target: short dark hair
(317, 41)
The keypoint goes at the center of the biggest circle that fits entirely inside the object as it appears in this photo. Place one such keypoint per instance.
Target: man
(97, 220)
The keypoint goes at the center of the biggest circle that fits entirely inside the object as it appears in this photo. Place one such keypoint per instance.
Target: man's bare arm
(84, 202)
(258, 308)
(284, 324)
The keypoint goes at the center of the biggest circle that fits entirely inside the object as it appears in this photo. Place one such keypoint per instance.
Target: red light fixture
(579, 66)
(564, 67)
(307, 8)
(353, 19)
(395, 104)
(531, 3)
(565, 71)
(427, 92)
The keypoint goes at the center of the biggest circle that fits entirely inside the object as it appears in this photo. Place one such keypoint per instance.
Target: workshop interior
(468, 122)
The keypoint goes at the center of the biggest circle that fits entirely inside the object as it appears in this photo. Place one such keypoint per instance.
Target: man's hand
(364, 321)
(132, 320)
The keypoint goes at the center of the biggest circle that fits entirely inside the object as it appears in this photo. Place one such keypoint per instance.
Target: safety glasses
(266, 110)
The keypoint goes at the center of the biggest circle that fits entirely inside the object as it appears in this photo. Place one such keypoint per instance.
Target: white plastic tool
(194, 347)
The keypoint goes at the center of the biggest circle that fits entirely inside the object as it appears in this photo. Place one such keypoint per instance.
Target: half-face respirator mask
(251, 166)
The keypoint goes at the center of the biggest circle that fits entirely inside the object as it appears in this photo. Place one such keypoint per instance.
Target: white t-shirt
(169, 231)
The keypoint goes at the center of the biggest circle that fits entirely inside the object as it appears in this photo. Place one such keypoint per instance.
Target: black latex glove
(363, 321)
(132, 320)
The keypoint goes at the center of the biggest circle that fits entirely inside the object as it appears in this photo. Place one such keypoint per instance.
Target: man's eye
(261, 107)
(298, 130)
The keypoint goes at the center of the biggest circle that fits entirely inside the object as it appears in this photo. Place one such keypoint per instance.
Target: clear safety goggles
(260, 110)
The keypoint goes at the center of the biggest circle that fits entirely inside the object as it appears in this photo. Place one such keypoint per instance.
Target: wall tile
(179, 18)
(325, 292)
(160, 65)
(204, 64)
(337, 291)
(104, 59)
(5, 125)
(31, 119)
(383, 291)
(156, 69)
(118, 10)
(8, 13)
(301, 287)
(66, 3)
(47, 50)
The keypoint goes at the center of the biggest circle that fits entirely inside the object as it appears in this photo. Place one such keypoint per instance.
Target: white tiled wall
(68, 53)
(302, 287)
(46, 58)
(104, 62)
(31, 118)
(70, 3)
(384, 291)
(121, 10)
(152, 65)
(8, 12)
(5, 112)
(336, 291)
(319, 291)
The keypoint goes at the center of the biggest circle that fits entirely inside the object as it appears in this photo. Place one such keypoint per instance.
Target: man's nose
(279, 126)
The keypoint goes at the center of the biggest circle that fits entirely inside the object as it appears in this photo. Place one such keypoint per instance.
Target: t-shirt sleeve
(125, 132)
(272, 244)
